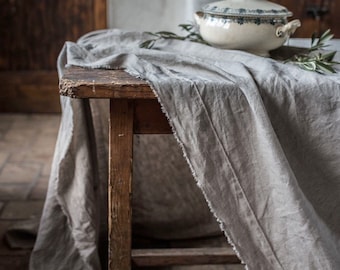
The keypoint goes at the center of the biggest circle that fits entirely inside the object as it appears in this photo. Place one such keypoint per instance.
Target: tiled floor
(26, 148)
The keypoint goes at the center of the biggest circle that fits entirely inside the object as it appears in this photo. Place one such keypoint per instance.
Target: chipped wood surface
(98, 83)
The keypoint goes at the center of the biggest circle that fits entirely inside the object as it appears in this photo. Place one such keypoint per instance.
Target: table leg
(119, 186)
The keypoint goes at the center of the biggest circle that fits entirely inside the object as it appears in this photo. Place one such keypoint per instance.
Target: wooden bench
(134, 109)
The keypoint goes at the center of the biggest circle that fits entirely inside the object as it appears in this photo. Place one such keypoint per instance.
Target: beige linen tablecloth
(262, 140)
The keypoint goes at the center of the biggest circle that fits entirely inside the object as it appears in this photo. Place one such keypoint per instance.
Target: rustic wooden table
(134, 109)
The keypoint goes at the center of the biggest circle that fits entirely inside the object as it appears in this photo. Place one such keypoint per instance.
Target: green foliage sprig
(192, 35)
(315, 59)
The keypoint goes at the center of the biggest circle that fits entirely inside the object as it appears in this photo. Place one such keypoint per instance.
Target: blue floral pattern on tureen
(212, 9)
(243, 20)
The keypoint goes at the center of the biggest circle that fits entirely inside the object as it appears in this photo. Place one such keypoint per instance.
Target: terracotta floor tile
(4, 127)
(14, 191)
(10, 117)
(3, 158)
(40, 188)
(21, 121)
(46, 170)
(20, 173)
(37, 153)
(16, 210)
(22, 137)
(9, 148)
(27, 143)
(47, 121)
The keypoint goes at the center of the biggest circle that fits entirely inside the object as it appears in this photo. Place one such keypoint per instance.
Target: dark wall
(315, 15)
(32, 33)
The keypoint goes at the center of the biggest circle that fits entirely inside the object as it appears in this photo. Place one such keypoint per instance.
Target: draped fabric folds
(255, 153)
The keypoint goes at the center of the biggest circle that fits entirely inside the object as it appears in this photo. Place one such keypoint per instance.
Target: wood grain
(119, 187)
(311, 24)
(97, 83)
(32, 35)
(149, 118)
(100, 14)
(29, 92)
(33, 32)
(184, 256)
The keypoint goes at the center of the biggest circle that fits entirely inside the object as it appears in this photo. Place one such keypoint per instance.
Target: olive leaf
(316, 59)
(318, 44)
(192, 35)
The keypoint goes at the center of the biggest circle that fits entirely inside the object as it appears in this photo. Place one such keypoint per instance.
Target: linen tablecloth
(260, 137)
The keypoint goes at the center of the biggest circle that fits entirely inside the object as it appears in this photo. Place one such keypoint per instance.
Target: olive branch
(192, 35)
(313, 60)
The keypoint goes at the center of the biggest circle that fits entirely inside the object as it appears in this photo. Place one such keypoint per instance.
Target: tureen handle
(198, 17)
(288, 29)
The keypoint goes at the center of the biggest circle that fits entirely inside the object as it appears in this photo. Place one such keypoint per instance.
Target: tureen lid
(254, 8)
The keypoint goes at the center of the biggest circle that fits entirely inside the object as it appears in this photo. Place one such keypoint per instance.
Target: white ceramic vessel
(256, 26)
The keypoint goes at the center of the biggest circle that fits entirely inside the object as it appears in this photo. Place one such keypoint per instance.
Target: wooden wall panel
(315, 15)
(333, 20)
(100, 14)
(32, 33)
(29, 92)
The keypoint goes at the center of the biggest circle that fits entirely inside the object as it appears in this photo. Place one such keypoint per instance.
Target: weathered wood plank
(184, 256)
(97, 83)
(119, 186)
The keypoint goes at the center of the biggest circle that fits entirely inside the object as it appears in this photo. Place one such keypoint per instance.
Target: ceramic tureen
(256, 26)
